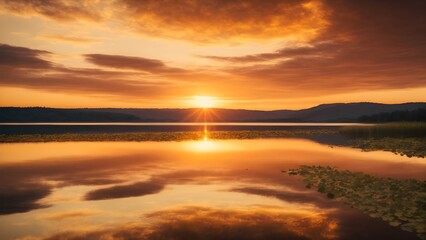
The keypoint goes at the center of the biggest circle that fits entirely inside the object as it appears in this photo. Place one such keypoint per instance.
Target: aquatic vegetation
(404, 138)
(410, 147)
(398, 129)
(401, 203)
(161, 136)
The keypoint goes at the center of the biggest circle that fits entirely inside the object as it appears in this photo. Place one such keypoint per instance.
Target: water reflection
(210, 223)
(205, 144)
(91, 190)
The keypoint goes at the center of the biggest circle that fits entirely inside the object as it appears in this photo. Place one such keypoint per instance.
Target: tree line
(418, 115)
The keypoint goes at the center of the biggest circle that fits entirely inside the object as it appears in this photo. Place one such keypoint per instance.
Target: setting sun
(204, 101)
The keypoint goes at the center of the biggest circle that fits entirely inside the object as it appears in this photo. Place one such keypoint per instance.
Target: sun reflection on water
(205, 144)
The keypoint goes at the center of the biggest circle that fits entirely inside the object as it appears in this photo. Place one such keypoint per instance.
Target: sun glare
(204, 101)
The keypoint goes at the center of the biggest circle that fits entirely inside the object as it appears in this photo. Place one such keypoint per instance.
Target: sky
(251, 54)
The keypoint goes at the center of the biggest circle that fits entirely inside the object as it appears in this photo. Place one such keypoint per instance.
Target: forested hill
(338, 112)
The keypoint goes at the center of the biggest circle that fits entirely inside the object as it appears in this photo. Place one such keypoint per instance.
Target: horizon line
(191, 108)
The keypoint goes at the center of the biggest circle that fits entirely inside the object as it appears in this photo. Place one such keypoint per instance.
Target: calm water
(54, 128)
(185, 190)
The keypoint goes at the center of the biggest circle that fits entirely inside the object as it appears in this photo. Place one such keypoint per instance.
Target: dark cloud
(122, 191)
(21, 57)
(45, 75)
(135, 63)
(319, 50)
(61, 10)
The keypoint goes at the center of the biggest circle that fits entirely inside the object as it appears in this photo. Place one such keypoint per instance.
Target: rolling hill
(337, 112)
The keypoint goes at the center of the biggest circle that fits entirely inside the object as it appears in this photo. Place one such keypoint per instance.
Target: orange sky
(252, 54)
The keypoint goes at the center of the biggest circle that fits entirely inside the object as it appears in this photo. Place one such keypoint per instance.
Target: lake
(191, 189)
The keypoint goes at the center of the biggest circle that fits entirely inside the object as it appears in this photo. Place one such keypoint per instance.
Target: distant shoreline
(308, 124)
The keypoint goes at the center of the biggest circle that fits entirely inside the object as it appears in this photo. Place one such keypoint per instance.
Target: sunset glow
(204, 102)
(212, 119)
(153, 54)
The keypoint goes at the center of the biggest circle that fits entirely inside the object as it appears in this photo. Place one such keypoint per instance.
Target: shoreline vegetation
(161, 136)
(403, 138)
(397, 129)
(410, 147)
(400, 203)
(364, 112)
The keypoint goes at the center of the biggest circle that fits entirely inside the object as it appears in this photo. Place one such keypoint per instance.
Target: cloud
(330, 47)
(66, 82)
(320, 49)
(122, 191)
(224, 21)
(70, 214)
(366, 46)
(197, 21)
(60, 10)
(127, 62)
(71, 39)
(48, 76)
(210, 223)
(21, 57)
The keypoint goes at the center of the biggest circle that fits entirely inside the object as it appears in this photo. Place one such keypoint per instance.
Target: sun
(204, 101)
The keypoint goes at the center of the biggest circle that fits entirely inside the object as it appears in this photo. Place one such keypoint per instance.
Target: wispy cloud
(127, 62)
(45, 75)
(70, 39)
(58, 216)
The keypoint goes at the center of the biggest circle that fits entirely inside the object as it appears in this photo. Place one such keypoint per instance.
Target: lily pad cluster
(410, 147)
(401, 203)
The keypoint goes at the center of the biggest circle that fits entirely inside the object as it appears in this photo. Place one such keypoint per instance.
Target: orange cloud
(225, 21)
(337, 48)
(367, 46)
(60, 10)
(70, 214)
(71, 39)
(15, 63)
(200, 21)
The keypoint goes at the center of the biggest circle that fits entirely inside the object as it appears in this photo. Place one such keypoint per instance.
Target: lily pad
(401, 203)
